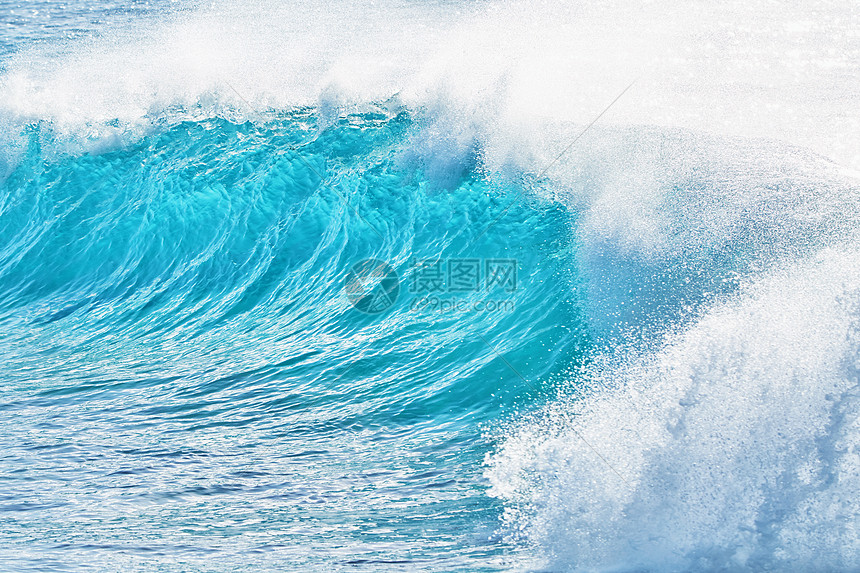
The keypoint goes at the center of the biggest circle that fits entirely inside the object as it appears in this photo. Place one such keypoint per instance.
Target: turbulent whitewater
(629, 344)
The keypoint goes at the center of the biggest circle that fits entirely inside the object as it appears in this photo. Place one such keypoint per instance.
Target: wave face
(295, 287)
(175, 323)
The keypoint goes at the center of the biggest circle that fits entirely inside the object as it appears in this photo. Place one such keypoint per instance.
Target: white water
(719, 429)
(737, 441)
(498, 71)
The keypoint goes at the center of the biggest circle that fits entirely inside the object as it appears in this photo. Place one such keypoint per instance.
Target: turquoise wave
(178, 345)
(378, 287)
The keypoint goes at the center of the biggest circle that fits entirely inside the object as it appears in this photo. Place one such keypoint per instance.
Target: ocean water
(429, 286)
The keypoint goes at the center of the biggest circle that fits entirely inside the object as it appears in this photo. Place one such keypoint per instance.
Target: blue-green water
(636, 353)
(180, 360)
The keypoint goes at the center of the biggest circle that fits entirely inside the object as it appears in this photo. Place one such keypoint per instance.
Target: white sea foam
(736, 442)
(498, 70)
(717, 428)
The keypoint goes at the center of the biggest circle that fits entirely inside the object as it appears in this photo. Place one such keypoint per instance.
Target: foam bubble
(735, 441)
(500, 69)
